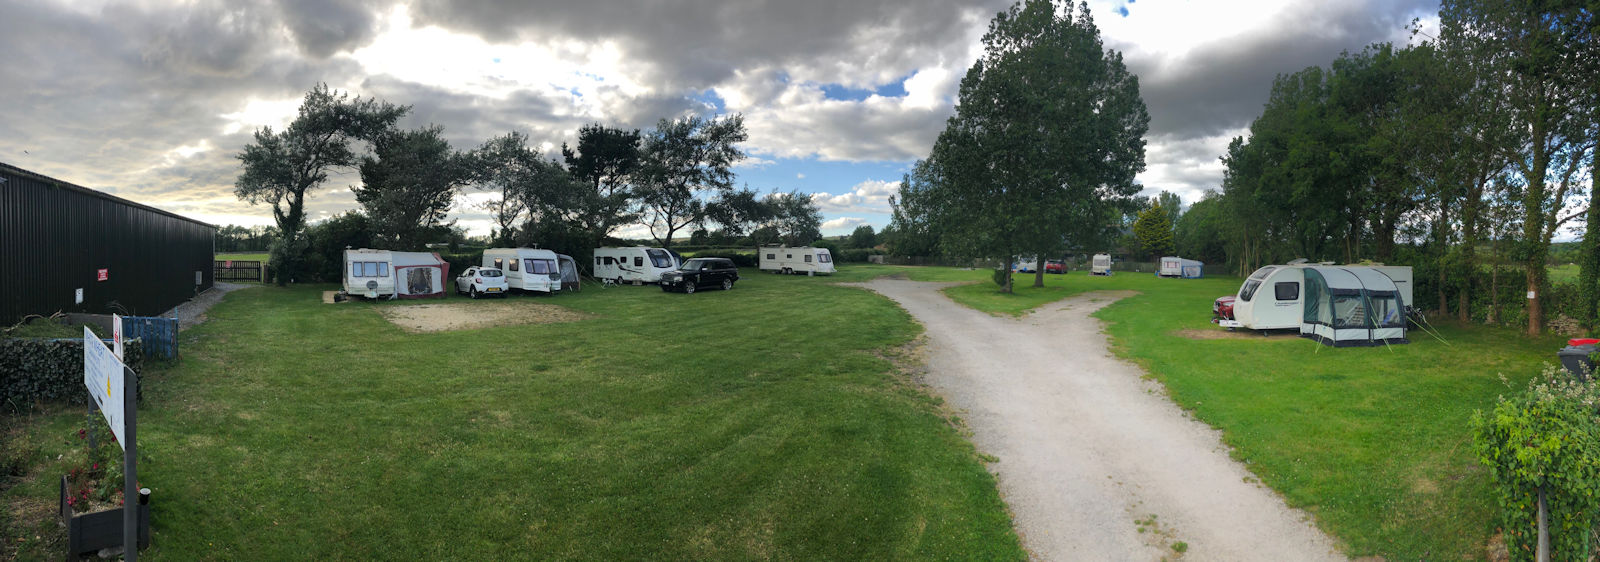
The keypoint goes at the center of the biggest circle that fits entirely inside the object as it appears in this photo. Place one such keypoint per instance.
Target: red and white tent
(419, 274)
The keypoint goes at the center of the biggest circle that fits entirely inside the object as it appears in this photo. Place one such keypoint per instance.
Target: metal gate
(160, 335)
(236, 270)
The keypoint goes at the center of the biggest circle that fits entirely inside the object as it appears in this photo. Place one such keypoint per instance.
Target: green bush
(1545, 438)
(741, 258)
(460, 262)
(48, 370)
(857, 255)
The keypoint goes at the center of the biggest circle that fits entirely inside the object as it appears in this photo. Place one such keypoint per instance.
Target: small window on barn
(1286, 291)
(513, 265)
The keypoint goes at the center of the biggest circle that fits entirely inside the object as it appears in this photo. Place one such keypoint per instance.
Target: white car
(478, 281)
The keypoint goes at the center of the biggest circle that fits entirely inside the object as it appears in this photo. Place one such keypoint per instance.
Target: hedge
(741, 258)
(48, 370)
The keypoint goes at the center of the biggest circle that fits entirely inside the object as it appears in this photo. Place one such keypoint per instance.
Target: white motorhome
(369, 273)
(638, 264)
(528, 269)
(806, 259)
(1100, 264)
(1337, 305)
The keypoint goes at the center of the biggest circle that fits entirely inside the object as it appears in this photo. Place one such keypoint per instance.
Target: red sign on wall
(103, 275)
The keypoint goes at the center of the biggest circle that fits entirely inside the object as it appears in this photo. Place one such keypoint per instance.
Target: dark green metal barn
(57, 238)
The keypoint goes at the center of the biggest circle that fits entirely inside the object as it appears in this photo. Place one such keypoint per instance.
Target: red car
(1055, 266)
(1222, 309)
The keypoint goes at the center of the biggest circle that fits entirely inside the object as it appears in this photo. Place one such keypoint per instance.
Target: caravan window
(808, 258)
(355, 269)
(513, 264)
(1249, 290)
(660, 258)
(383, 269)
(1286, 291)
(638, 261)
(597, 260)
(369, 269)
(824, 257)
(541, 266)
(499, 262)
(772, 256)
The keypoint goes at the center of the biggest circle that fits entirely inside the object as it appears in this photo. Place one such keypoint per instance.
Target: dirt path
(1095, 462)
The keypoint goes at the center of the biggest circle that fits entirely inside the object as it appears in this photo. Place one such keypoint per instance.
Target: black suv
(701, 272)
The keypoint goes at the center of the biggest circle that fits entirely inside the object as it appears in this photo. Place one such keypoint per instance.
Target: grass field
(763, 422)
(242, 257)
(731, 425)
(1372, 441)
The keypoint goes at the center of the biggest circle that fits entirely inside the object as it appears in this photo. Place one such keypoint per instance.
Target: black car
(701, 272)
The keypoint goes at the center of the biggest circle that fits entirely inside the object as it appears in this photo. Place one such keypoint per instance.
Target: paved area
(1090, 453)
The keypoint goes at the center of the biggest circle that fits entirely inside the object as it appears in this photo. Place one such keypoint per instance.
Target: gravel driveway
(1095, 462)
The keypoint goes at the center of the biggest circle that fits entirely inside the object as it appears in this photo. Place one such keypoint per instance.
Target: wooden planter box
(87, 533)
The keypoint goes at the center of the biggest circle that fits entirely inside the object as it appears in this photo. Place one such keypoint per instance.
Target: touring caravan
(1338, 305)
(632, 265)
(1100, 264)
(1179, 267)
(807, 260)
(528, 269)
(377, 273)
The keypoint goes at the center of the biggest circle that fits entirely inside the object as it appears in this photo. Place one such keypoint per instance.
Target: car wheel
(688, 288)
(473, 293)
(727, 284)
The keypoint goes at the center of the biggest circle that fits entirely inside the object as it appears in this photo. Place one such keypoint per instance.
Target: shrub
(741, 258)
(1547, 438)
(47, 370)
(460, 262)
(857, 255)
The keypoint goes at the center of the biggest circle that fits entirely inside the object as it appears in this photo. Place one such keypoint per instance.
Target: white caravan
(369, 273)
(1100, 264)
(632, 265)
(807, 260)
(1172, 266)
(528, 269)
(1274, 297)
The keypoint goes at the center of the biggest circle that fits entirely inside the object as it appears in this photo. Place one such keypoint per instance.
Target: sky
(153, 100)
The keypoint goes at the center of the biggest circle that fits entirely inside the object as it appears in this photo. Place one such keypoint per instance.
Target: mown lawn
(763, 422)
(1372, 441)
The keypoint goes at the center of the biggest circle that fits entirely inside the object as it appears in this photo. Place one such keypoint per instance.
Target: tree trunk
(1470, 209)
(1038, 272)
(1533, 224)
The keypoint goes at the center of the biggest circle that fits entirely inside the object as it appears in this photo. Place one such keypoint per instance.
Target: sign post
(116, 337)
(113, 386)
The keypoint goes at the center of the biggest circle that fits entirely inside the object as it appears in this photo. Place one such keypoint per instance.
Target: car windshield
(695, 265)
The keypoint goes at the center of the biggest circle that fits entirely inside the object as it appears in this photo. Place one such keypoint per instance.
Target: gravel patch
(1095, 462)
(422, 318)
(192, 312)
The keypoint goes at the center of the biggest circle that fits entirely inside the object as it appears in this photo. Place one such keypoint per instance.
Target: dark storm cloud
(324, 27)
(1223, 85)
(695, 43)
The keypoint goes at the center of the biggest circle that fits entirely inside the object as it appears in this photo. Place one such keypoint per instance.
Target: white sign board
(102, 374)
(116, 337)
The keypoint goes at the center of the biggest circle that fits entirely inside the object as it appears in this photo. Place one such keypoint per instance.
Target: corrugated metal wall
(55, 238)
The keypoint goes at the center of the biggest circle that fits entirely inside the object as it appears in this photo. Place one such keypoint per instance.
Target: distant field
(1564, 273)
(242, 257)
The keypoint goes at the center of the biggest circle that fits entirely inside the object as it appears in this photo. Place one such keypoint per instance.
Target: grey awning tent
(569, 273)
(1352, 306)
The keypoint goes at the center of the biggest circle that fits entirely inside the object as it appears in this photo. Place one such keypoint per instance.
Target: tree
(604, 162)
(1172, 204)
(795, 216)
(863, 237)
(1529, 62)
(1200, 231)
(281, 168)
(1047, 135)
(738, 211)
(681, 159)
(499, 166)
(408, 185)
(328, 239)
(1154, 232)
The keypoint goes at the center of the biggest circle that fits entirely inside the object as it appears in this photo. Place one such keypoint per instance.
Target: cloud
(871, 196)
(843, 223)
